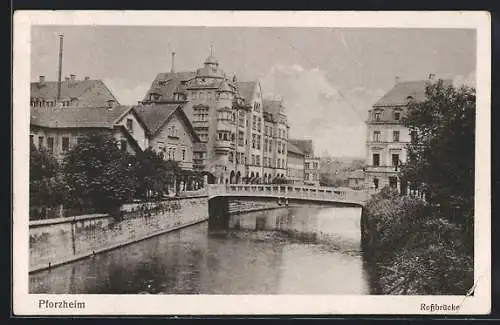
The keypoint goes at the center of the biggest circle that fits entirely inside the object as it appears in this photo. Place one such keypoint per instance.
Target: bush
(414, 250)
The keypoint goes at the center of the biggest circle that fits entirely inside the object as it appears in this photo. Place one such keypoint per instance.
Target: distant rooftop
(403, 91)
(87, 92)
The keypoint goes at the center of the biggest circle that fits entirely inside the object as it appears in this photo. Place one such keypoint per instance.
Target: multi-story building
(295, 164)
(58, 130)
(387, 137)
(74, 93)
(229, 118)
(163, 128)
(311, 163)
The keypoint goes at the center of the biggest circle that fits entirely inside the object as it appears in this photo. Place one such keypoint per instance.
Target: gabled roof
(293, 148)
(155, 116)
(89, 93)
(402, 91)
(306, 146)
(358, 173)
(272, 106)
(129, 137)
(77, 117)
(167, 83)
(246, 89)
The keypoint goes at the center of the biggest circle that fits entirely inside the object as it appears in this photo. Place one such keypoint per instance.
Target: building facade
(387, 137)
(295, 165)
(311, 162)
(229, 117)
(59, 130)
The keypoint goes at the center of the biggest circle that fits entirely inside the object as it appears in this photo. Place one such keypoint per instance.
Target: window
(230, 157)
(253, 140)
(270, 145)
(377, 116)
(258, 142)
(395, 136)
(123, 145)
(307, 165)
(397, 116)
(253, 159)
(40, 142)
(183, 154)
(279, 161)
(265, 145)
(395, 160)
(65, 144)
(254, 122)
(257, 160)
(393, 182)
(376, 136)
(172, 132)
(50, 144)
(259, 125)
(130, 125)
(315, 165)
(278, 144)
(375, 183)
(376, 159)
(241, 138)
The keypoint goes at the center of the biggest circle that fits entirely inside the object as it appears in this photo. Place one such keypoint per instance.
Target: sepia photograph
(256, 166)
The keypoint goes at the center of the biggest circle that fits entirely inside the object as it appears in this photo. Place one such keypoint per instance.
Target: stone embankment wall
(58, 241)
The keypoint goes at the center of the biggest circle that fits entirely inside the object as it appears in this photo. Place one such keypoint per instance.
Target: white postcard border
(28, 304)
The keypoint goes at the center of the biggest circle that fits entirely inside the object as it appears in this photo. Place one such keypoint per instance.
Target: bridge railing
(290, 191)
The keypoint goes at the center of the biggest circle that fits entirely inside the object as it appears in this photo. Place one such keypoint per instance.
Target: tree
(154, 174)
(441, 152)
(98, 174)
(47, 187)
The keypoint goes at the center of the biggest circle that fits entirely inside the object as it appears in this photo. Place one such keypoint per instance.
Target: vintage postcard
(194, 163)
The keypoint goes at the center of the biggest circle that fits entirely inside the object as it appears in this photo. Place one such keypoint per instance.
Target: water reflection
(301, 250)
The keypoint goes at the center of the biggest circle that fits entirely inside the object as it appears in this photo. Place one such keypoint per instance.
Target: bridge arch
(238, 177)
(232, 177)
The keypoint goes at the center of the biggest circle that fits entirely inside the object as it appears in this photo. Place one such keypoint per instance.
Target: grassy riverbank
(413, 250)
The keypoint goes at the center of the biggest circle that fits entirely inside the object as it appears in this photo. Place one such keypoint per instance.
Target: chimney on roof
(172, 69)
(72, 77)
(87, 78)
(396, 80)
(41, 79)
(431, 76)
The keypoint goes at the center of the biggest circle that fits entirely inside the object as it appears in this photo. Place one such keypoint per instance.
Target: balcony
(224, 145)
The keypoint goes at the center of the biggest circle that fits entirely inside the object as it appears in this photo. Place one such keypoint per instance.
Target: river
(294, 250)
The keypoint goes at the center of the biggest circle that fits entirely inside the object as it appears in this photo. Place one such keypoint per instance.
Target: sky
(328, 78)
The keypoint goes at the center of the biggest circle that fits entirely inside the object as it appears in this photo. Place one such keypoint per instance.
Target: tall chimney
(61, 37)
(172, 69)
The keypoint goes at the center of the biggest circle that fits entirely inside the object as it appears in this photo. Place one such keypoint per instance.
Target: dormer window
(397, 116)
(377, 116)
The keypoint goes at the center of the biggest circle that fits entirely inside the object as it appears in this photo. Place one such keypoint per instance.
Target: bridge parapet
(327, 194)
